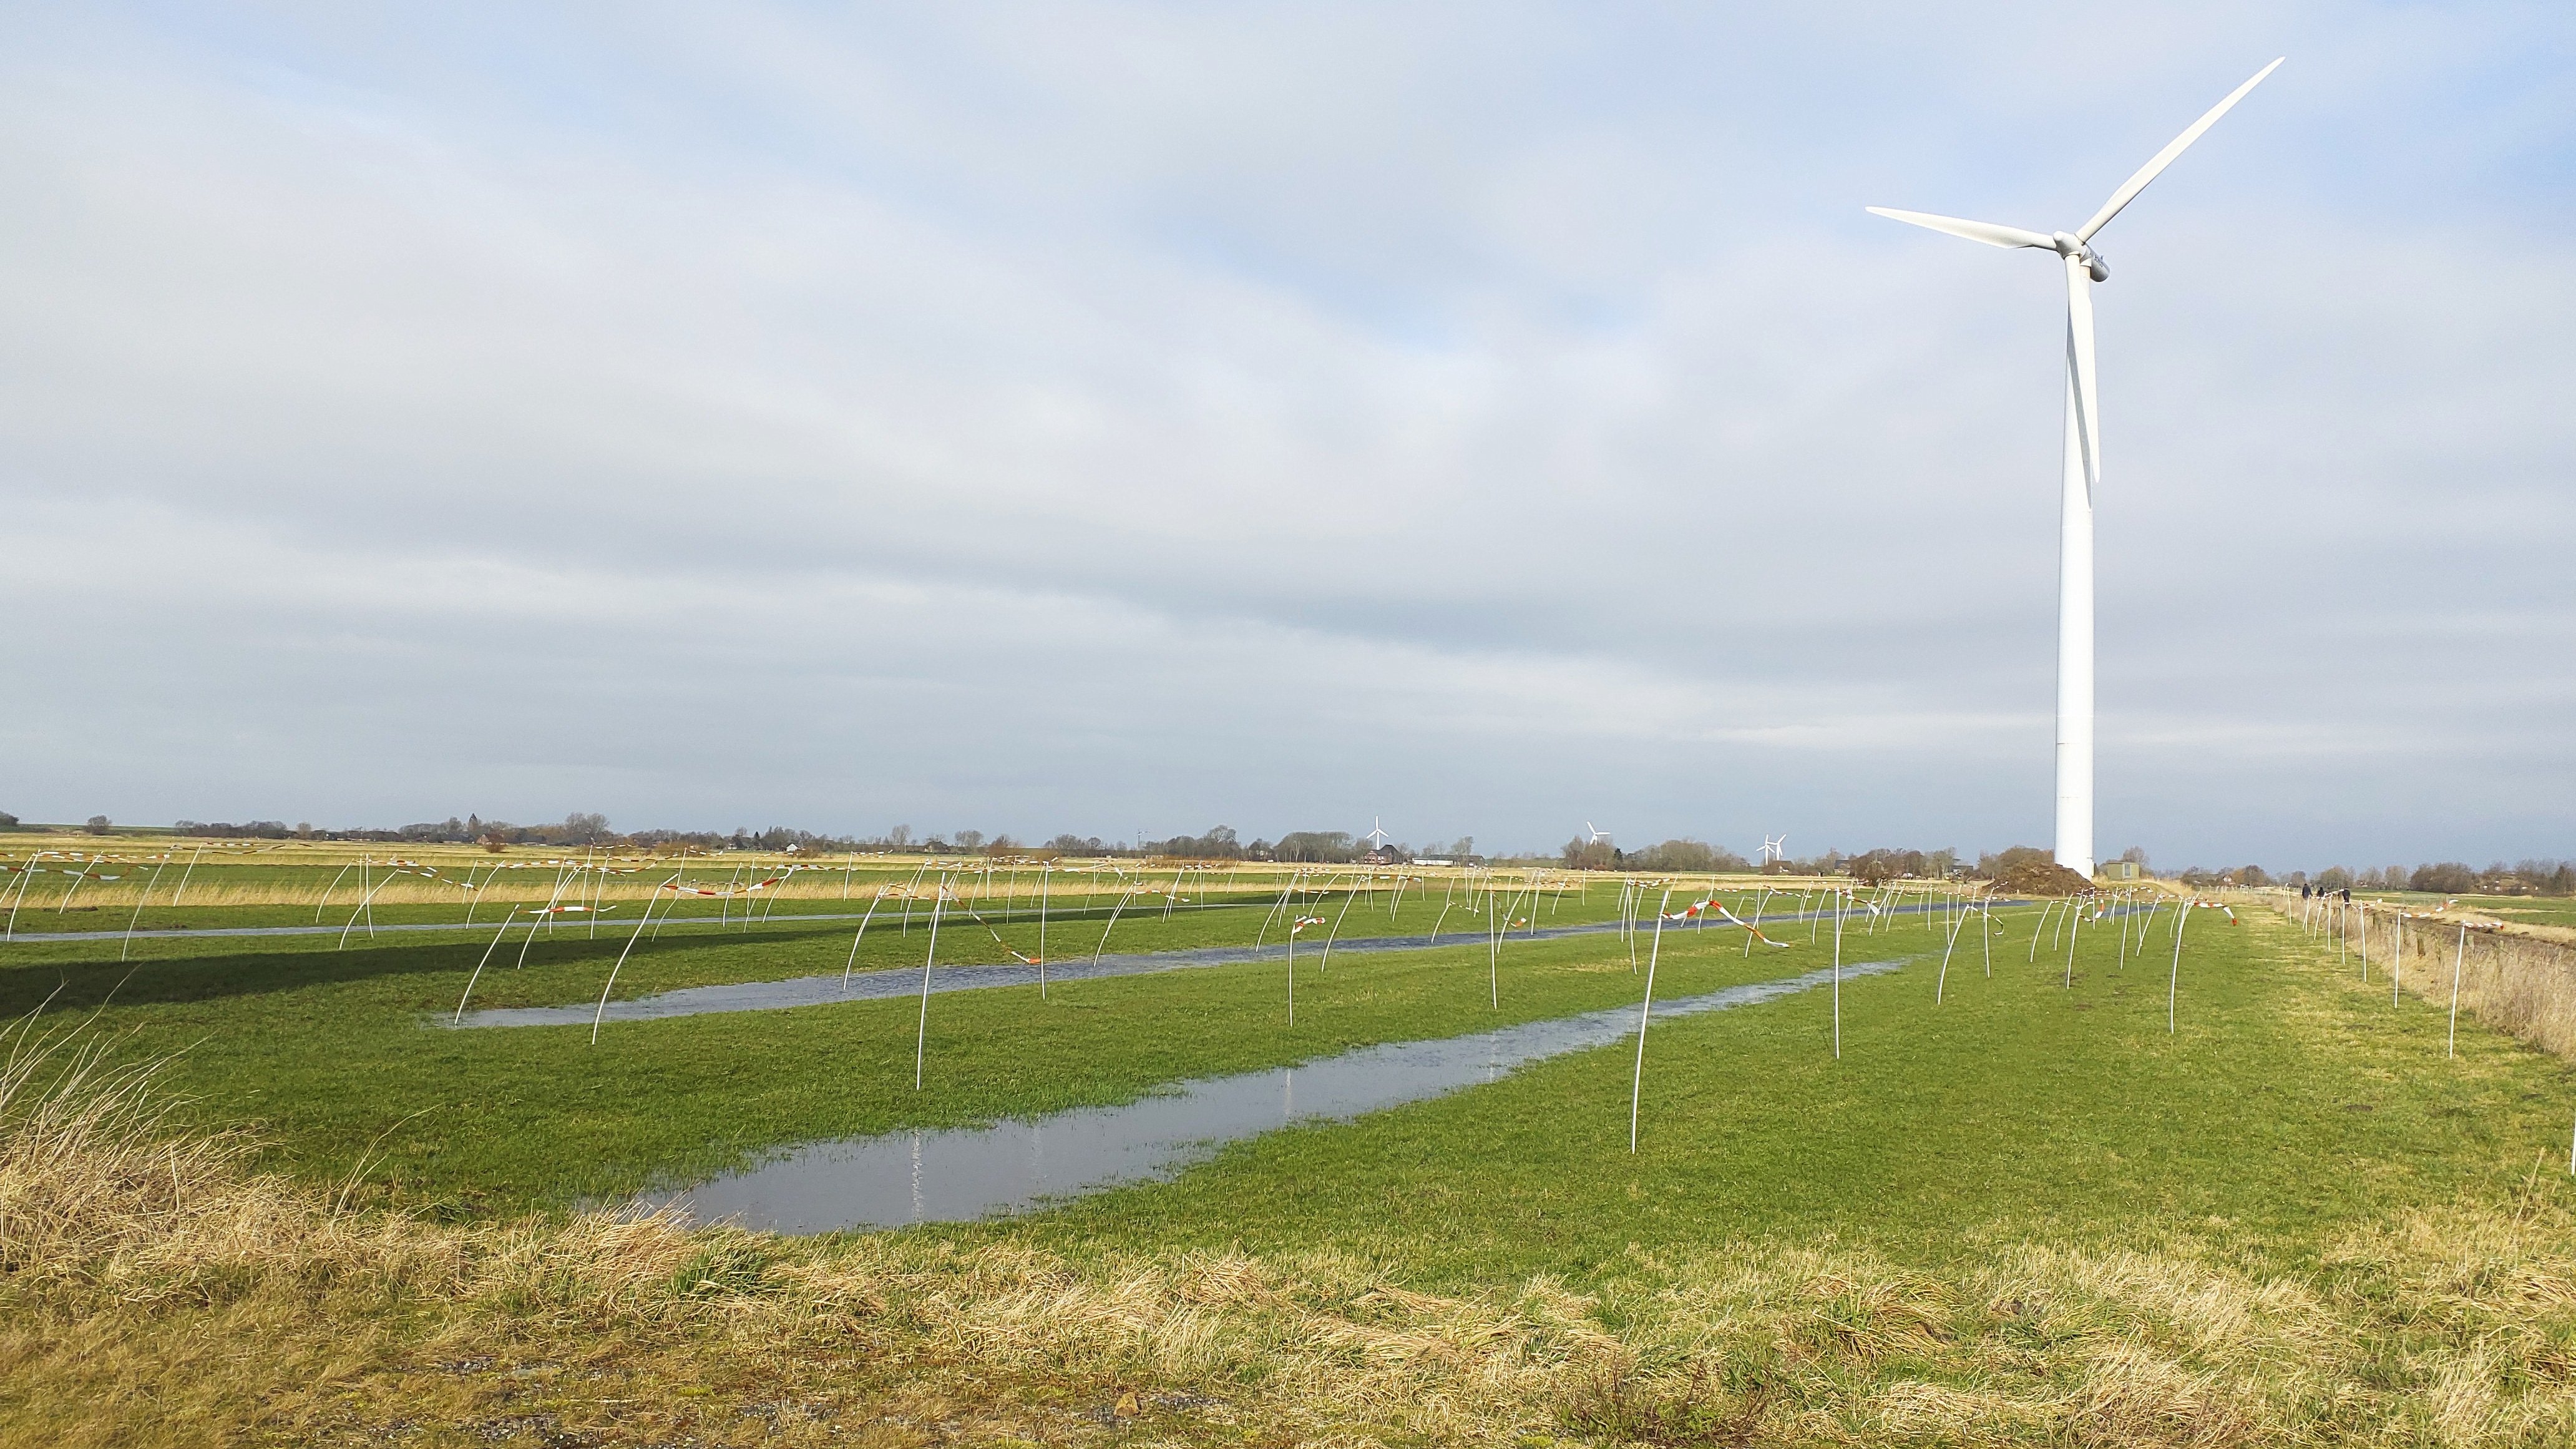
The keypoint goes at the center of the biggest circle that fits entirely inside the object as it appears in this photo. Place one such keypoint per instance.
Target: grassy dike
(2029, 1216)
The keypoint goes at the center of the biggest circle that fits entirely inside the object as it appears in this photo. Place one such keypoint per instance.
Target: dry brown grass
(528, 877)
(2520, 984)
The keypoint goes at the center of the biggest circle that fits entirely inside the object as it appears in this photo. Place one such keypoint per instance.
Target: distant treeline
(1673, 855)
(2450, 878)
(2546, 877)
(593, 830)
(1870, 866)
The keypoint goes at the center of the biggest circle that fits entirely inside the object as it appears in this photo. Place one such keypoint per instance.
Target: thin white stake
(1335, 934)
(362, 909)
(326, 892)
(1276, 907)
(1838, 976)
(602, 1014)
(921, 1035)
(79, 878)
(2173, 983)
(479, 965)
(544, 916)
(1637, 1084)
(181, 893)
(1943, 983)
(138, 907)
(852, 964)
(26, 879)
(1113, 925)
(2456, 957)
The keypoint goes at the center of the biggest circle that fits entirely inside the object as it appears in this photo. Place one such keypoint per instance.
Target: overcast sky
(1485, 417)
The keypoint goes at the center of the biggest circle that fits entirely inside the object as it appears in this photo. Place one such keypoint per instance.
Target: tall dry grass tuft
(2522, 985)
(90, 1175)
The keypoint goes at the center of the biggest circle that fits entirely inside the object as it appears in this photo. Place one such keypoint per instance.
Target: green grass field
(329, 1054)
(2011, 1094)
(2274, 1204)
(2288, 1105)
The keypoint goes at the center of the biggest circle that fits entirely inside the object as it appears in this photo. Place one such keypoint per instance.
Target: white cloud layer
(1129, 417)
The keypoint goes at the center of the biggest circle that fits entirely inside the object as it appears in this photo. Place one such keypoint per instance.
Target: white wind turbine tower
(1774, 848)
(2084, 267)
(1375, 836)
(1592, 836)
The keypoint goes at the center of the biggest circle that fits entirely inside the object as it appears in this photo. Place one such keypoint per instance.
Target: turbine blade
(2079, 371)
(2130, 188)
(1977, 231)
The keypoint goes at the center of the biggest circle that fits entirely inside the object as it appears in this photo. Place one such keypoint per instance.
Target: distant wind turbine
(1376, 836)
(2084, 267)
(1773, 848)
(1594, 837)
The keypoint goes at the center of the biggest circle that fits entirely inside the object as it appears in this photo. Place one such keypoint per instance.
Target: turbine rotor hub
(2070, 247)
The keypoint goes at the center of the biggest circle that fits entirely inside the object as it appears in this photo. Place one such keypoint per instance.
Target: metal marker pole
(2456, 957)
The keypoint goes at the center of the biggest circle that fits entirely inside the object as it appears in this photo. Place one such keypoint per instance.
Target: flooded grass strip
(963, 1174)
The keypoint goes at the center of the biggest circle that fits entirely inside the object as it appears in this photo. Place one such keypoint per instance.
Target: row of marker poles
(2326, 915)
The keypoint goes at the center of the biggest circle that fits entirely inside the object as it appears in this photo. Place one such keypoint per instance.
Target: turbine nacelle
(2077, 248)
(2070, 245)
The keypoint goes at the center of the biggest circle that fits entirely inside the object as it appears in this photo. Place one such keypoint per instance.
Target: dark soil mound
(2040, 878)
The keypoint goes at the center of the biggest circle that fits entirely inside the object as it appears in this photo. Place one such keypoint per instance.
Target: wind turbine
(2084, 267)
(1772, 848)
(1592, 836)
(1375, 836)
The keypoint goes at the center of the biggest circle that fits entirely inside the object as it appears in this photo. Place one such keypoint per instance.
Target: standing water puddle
(880, 984)
(963, 1173)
